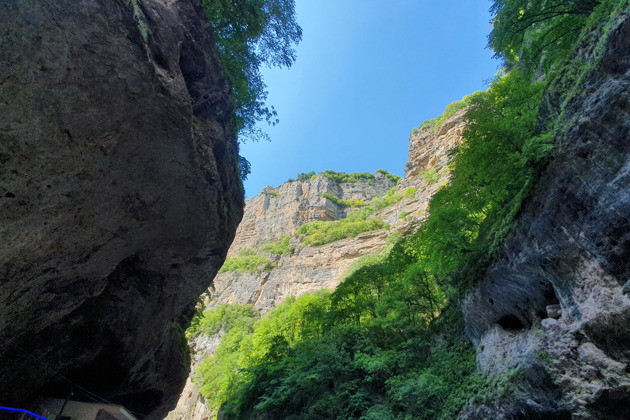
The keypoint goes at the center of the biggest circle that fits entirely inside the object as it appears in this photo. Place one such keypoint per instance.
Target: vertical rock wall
(119, 194)
(555, 308)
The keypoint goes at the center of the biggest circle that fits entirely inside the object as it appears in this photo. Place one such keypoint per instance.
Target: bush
(247, 264)
(246, 252)
(226, 317)
(273, 193)
(391, 177)
(306, 176)
(450, 110)
(431, 176)
(321, 233)
(280, 247)
(344, 203)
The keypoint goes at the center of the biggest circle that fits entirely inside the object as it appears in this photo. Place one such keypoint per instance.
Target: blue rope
(22, 411)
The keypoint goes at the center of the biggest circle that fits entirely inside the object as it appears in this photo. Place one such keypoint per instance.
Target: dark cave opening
(511, 323)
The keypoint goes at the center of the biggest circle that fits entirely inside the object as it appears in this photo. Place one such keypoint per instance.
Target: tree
(537, 30)
(248, 34)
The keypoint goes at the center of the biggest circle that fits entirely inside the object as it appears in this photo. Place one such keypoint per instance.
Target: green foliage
(248, 34)
(431, 176)
(341, 177)
(320, 233)
(391, 177)
(247, 252)
(306, 176)
(535, 33)
(450, 110)
(344, 203)
(280, 247)
(272, 192)
(491, 175)
(226, 317)
(370, 349)
(138, 16)
(410, 193)
(403, 214)
(247, 264)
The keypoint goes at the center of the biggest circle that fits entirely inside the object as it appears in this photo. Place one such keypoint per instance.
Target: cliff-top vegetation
(342, 177)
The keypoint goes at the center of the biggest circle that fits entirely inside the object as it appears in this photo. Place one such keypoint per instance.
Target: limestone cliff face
(555, 306)
(277, 212)
(281, 211)
(119, 194)
(429, 148)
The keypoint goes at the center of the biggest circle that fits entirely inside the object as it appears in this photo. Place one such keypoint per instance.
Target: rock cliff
(119, 195)
(554, 310)
(281, 211)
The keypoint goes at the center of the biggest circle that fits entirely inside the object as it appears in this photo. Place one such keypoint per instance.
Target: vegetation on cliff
(359, 221)
(388, 342)
(250, 260)
(342, 177)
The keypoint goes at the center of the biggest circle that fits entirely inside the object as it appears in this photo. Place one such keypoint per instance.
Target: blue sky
(367, 72)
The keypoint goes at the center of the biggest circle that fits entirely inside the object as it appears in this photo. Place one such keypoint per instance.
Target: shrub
(431, 176)
(226, 317)
(450, 110)
(320, 233)
(247, 264)
(391, 177)
(344, 203)
(246, 252)
(306, 176)
(273, 192)
(410, 193)
(280, 247)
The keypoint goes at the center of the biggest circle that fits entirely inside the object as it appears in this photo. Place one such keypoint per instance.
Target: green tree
(248, 34)
(531, 31)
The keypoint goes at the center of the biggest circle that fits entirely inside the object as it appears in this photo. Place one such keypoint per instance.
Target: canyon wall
(119, 195)
(553, 312)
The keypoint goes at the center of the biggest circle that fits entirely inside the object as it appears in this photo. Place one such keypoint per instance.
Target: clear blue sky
(367, 72)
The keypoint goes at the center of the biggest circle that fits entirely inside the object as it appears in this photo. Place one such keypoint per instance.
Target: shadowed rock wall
(554, 306)
(119, 194)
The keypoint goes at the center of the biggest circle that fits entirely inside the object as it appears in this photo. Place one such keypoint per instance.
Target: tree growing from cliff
(533, 31)
(248, 34)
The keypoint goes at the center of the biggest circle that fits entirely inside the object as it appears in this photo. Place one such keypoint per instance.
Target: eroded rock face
(119, 194)
(428, 148)
(277, 212)
(572, 249)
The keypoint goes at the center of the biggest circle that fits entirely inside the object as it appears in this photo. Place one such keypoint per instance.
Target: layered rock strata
(555, 309)
(119, 195)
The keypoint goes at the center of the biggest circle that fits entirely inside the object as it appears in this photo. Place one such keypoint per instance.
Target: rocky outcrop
(555, 308)
(119, 194)
(277, 212)
(429, 147)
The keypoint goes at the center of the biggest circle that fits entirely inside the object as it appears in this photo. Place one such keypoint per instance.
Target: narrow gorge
(491, 281)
